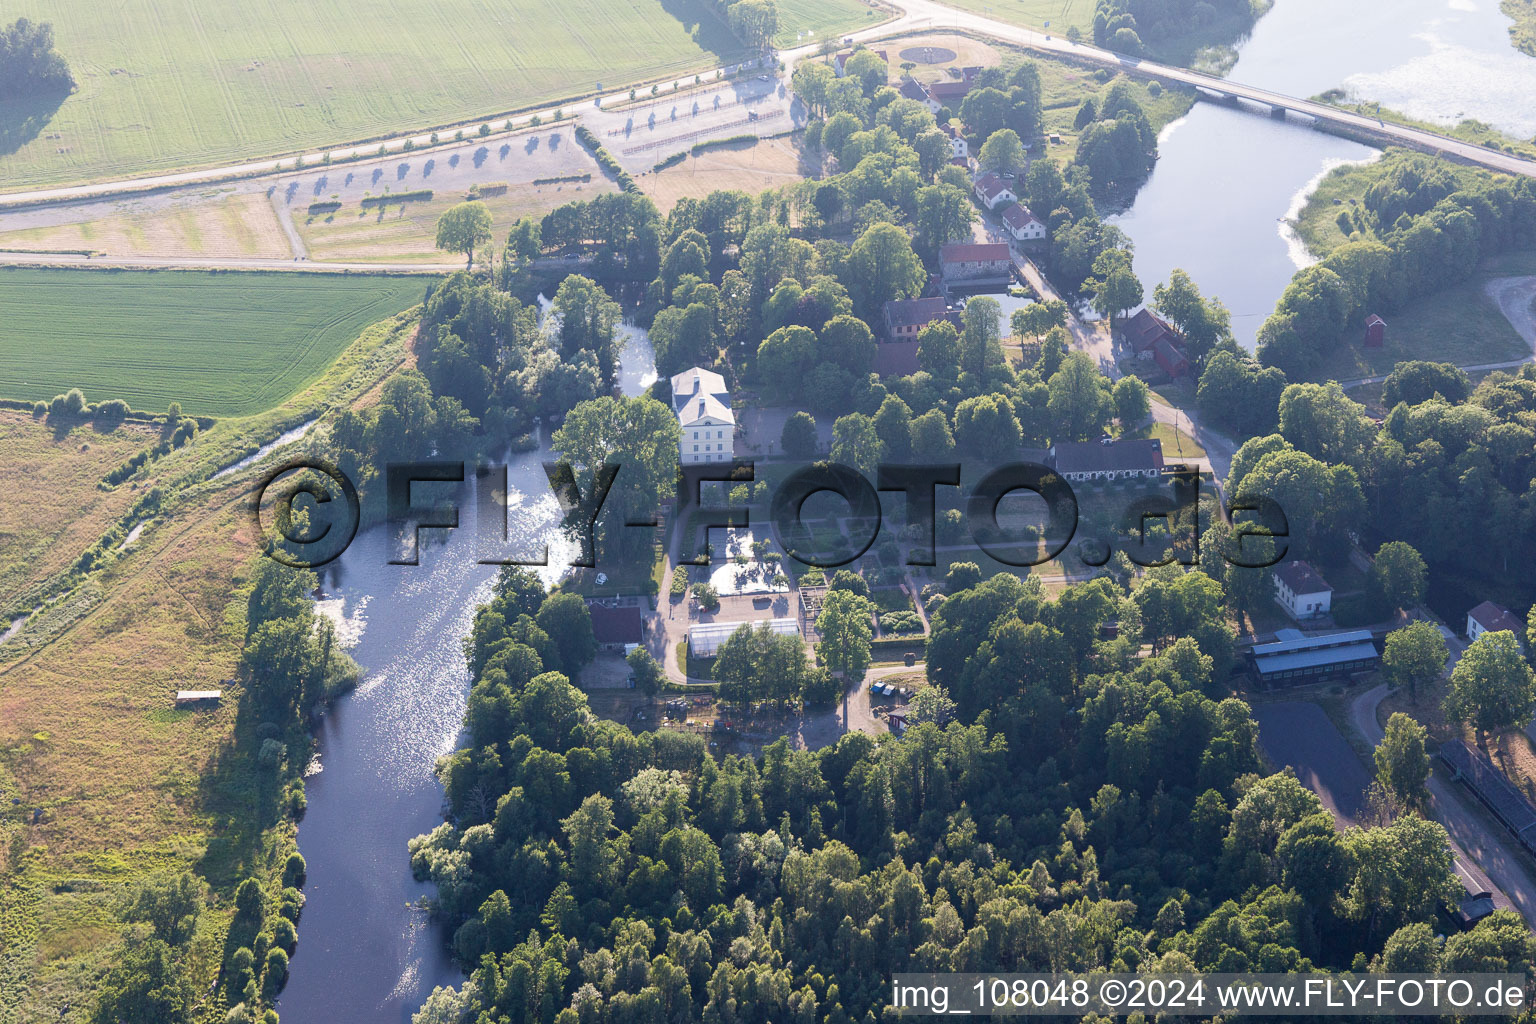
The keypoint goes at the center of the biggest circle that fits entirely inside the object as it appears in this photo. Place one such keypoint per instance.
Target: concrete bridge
(930, 16)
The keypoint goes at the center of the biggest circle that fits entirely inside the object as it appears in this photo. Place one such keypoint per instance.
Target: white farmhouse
(1023, 225)
(1490, 618)
(1302, 592)
(703, 408)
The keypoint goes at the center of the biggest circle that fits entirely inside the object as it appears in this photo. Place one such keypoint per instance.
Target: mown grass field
(173, 83)
(407, 232)
(220, 344)
(1458, 324)
(826, 19)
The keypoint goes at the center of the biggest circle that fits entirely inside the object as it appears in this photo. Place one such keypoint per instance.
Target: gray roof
(1308, 643)
(915, 312)
(1308, 659)
(1119, 456)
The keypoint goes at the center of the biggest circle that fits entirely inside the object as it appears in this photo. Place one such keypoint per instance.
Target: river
(366, 955)
(1226, 180)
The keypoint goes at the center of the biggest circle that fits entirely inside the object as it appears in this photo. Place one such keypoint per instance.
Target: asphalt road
(917, 15)
(1471, 839)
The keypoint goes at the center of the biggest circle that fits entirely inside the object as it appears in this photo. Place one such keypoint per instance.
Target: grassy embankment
(125, 785)
(220, 344)
(173, 83)
(1475, 132)
(1459, 324)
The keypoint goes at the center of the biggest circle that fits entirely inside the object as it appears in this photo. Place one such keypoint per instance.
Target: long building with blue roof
(1294, 658)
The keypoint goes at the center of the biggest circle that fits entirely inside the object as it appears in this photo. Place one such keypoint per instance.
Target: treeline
(486, 365)
(290, 666)
(29, 66)
(1089, 809)
(1129, 26)
(1421, 229)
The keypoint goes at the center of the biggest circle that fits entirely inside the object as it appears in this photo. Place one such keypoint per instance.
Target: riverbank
(112, 784)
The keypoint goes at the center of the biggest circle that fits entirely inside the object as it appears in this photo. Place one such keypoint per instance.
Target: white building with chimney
(703, 408)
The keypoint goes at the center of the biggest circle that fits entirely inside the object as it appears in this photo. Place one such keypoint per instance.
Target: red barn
(1375, 331)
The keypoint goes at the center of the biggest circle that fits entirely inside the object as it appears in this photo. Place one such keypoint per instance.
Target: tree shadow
(23, 119)
(708, 29)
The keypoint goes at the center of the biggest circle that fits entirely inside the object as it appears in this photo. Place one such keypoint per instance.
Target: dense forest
(1085, 809)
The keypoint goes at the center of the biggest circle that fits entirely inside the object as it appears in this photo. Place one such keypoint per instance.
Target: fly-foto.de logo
(307, 513)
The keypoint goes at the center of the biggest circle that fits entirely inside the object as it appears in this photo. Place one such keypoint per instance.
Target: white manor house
(703, 408)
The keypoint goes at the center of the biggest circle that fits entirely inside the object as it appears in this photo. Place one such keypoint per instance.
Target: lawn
(220, 344)
(172, 83)
(407, 232)
(1459, 324)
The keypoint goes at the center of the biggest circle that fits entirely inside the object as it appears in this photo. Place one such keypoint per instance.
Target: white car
(602, 579)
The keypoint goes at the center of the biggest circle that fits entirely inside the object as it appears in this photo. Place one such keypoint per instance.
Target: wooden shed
(1375, 331)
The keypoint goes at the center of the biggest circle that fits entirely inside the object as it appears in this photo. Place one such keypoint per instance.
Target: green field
(828, 19)
(175, 83)
(1059, 14)
(220, 344)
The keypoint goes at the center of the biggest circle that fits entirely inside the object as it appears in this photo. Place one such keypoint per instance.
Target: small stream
(286, 437)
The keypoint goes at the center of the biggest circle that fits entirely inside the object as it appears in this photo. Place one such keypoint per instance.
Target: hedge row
(605, 159)
(671, 161)
(730, 140)
(562, 179)
(330, 206)
(390, 198)
(487, 188)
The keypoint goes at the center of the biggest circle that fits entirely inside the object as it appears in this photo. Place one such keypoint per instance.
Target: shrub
(39, 410)
(290, 904)
(1154, 89)
(729, 140)
(485, 130)
(277, 972)
(111, 409)
(284, 935)
(901, 622)
(295, 871)
(272, 754)
(298, 801)
(70, 405)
